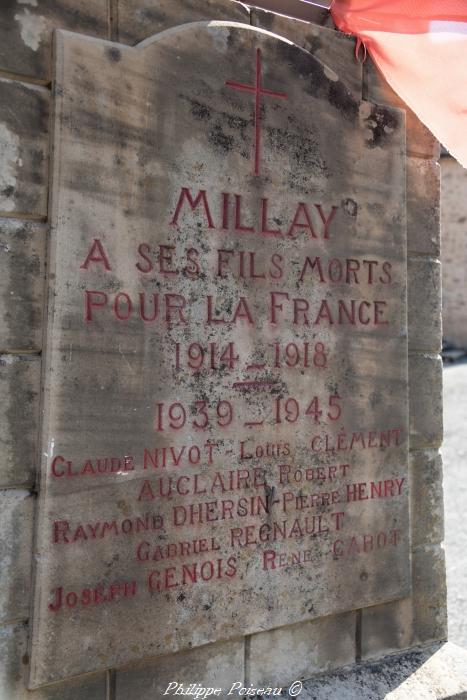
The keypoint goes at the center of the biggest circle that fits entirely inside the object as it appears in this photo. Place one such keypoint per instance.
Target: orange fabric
(420, 46)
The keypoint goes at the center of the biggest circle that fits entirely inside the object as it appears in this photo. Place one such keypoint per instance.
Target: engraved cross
(258, 92)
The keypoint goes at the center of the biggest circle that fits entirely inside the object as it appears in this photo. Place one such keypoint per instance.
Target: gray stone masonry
(19, 414)
(401, 624)
(454, 253)
(24, 149)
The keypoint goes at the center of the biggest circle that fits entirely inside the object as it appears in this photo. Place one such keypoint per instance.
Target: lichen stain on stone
(304, 152)
(37, 161)
(236, 122)
(220, 140)
(350, 206)
(113, 54)
(200, 111)
(313, 43)
(318, 84)
(341, 99)
(21, 384)
(380, 124)
(33, 28)
(9, 151)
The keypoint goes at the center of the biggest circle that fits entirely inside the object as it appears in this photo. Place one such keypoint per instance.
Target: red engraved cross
(258, 91)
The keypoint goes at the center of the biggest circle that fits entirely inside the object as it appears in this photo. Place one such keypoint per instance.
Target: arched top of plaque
(267, 66)
(249, 102)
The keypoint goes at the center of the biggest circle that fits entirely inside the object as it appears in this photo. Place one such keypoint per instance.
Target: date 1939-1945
(200, 416)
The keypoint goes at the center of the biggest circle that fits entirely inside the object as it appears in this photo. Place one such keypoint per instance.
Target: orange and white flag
(420, 46)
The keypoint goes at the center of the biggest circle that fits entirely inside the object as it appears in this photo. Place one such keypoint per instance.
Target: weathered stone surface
(22, 277)
(334, 49)
(19, 413)
(418, 619)
(26, 31)
(280, 656)
(164, 196)
(436, 673)
(454, 253)
(420, 141)
(140, 19)
(24, 123)
(423, 206)
(305, 12)
(455, 498)
(387, 628)
(14, 670)
(426, 497)
(429, 594)
(424, 295)
(16, 522)
(426, 401)
(217, 666)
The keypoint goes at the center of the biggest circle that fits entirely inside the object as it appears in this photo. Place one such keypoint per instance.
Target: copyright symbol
(295, 689)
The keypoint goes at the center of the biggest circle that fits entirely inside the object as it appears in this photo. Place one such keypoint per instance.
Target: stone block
(420, 141)
(24, 147)
(426, 496)
(429, 594)
(332, 48)
(22, 276)
(280, 656)
(418, 619)
(16, 527)
(435, 673)
(454, 254)
(387, 628)
(424, 304)
(27, 26)
(215, 665)
(140, 19)
(425, 401)
(423, 206)
(19, 413)
(14, 669)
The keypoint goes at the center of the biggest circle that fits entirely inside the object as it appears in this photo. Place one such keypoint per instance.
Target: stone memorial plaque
(224, 428)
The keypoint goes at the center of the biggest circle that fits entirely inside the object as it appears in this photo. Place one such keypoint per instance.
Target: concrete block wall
(300, 650)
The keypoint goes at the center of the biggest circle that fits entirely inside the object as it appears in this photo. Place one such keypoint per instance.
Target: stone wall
(276, 656)
(454, 251)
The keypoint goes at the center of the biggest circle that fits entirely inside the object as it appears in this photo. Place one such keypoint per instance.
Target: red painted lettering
(201, 198)
(96, 255)
(326, 220)
(276, 306)
(93, 300)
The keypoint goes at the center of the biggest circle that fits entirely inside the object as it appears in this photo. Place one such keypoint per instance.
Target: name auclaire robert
(311, 222)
